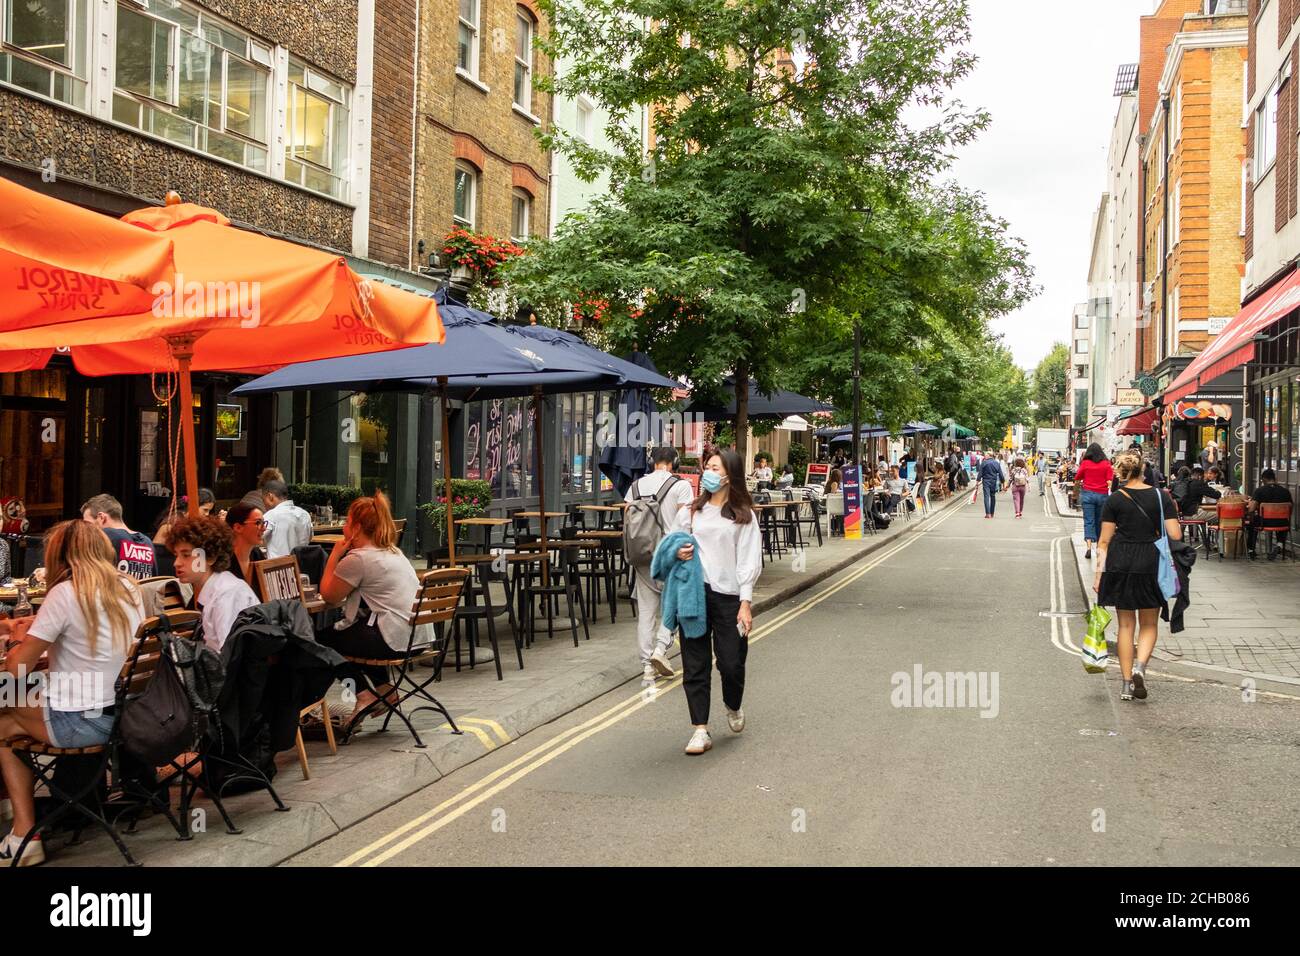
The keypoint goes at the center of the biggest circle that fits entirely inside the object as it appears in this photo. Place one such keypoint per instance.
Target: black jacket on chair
(274, 669)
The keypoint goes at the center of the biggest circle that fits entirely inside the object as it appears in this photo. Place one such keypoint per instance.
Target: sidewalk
(376, 770)
(1244, 619)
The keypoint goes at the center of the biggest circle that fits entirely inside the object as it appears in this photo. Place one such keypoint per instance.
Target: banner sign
(852, 504)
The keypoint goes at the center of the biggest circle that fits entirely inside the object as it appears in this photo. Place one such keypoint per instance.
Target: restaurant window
(467, 39)
(523, 60)
(521, 213)
(33, 443)
(473, 418)
(193, 80)
(466, 195)
(45, 49)
(316, 146)
(1295, 426)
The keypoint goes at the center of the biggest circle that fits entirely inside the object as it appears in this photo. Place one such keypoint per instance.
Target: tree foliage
(1050, 382)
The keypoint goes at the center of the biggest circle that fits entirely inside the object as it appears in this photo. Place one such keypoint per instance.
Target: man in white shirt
(655, 639)
(287, 525)
(204, 549)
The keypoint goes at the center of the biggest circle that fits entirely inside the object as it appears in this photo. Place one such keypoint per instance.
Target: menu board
(818, 474)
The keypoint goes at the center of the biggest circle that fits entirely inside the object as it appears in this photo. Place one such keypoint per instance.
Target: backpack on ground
(644, 526)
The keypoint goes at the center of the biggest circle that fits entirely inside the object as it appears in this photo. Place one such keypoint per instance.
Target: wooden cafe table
(537, 514)
(603, 512)
(487, 524)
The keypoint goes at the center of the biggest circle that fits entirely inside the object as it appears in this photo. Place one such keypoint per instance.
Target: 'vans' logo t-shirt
(134, 552)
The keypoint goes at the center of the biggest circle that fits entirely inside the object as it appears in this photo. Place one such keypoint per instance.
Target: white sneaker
(648, 672)
(34, 854)
(736, 720)
(700, 741)
(659, 661)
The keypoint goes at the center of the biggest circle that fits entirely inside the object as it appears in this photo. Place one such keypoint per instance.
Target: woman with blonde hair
(377, 586)
(84, 628)
(1127, 563)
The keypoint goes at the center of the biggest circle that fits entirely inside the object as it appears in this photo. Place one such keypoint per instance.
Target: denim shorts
(77, 728)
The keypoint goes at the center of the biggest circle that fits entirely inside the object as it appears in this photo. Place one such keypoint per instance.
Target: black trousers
(360, 639)
(1252, 531)
(723, 640)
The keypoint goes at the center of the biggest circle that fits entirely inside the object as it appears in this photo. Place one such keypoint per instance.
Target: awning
(1134, 411)
(1138, 423)
(1235, 344)
(1095, 423)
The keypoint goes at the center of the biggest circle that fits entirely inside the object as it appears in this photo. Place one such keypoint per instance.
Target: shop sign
(1129, 396)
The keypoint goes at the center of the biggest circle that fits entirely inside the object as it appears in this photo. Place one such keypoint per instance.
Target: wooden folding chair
(435, 604)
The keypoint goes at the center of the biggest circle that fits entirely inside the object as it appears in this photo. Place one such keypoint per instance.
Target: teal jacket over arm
(683, 597)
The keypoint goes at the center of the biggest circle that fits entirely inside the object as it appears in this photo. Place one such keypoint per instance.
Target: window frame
(79, 33)
(1267, 110)
(476, 35)
(465, 167)
(516, 194)
(523, 16)
(339, 170)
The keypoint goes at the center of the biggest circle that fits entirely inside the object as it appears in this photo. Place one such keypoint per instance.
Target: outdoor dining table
(487, 524)
(537, 514)
(9, 595)
(603, 512)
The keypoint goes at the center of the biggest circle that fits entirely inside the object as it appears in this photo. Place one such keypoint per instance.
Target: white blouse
(731, 554)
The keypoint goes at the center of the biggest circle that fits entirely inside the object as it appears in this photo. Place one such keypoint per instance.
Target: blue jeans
(990, 496)
(1092, 502)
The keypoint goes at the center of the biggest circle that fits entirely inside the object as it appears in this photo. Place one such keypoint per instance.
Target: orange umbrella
(238, 301)
(60, 261)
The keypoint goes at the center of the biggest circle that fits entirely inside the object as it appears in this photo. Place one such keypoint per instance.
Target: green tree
(1050, 380)
(755, 197)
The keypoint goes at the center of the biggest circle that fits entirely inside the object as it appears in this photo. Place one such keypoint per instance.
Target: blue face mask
(711, 481)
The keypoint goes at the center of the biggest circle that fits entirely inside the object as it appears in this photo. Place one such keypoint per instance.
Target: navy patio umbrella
(778, 404)
(476, 355)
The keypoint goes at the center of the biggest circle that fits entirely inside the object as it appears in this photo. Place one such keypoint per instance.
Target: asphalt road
(831, 771)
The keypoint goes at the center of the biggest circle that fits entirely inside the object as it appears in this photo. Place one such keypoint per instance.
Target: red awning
(1234, 346)
(1139, 424)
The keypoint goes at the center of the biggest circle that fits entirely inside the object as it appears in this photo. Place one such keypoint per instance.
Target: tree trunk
(742, 413)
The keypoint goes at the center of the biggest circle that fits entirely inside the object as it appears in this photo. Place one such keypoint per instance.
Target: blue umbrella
(634, 371)
(778, 404)
(623, 460)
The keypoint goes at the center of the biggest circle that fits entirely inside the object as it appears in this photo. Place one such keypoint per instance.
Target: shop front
(1198, 428)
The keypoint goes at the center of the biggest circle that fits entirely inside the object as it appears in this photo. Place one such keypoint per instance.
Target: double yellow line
(426, 824)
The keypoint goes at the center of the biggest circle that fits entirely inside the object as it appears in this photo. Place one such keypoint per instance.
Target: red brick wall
(391, 132)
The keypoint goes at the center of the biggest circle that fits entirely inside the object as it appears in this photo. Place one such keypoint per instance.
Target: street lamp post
(857, 393)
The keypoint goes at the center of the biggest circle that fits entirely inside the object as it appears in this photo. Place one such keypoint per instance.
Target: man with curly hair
(204, 548)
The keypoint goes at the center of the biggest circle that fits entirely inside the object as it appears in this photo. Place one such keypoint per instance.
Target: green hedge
(313, 496)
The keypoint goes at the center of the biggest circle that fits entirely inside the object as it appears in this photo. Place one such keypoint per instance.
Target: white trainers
(34, 854)
(700, 741)
(648, 672)
(659, 661)
(736, 720)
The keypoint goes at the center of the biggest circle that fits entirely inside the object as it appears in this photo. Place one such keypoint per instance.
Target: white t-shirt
(222, 599)
(79, 680)
(287, 527)
(678, 496)
(763, 474)
(389, 585)
(731, 554)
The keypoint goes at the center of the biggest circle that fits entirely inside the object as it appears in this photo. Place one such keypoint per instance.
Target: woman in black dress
(1127, 560)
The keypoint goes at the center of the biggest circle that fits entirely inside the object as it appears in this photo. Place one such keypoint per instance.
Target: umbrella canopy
(778, 404)
(846, 434)
(240, 300)
(623, 461)
(918, 428)
(59, 262)
(631, 372)
(960, 432)
(245, 301)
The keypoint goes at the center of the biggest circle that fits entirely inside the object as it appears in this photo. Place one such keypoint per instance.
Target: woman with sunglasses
(248, 526)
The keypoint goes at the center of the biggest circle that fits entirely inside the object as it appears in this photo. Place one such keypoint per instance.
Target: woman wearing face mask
(722, 520)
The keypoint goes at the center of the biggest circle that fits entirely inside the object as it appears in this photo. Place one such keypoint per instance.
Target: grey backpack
(644, 526)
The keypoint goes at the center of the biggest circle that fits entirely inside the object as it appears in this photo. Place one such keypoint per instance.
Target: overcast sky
(1047, 75)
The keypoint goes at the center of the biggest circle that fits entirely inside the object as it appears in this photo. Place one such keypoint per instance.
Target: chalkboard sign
(512, 483)
(277, 579)
(492, 443)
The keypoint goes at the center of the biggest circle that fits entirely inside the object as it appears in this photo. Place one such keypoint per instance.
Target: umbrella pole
(539, 429)
(182, 349)
(446, 474)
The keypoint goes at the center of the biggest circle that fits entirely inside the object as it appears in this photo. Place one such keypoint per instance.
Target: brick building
(1195, 170)
(261, 110)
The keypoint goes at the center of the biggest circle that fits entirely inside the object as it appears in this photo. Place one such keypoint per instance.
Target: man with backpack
(652, 505)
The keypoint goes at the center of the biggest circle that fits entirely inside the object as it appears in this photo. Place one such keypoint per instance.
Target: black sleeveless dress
(1129, 582)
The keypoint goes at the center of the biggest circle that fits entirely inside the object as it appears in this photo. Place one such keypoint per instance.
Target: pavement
(377, 770)
(1243, 620)
(1007, 753)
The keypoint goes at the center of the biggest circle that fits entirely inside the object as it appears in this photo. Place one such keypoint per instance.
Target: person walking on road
(1040, 469)
(991, 479)
(653, 638)
(722, 521)
(1095, 473)
(1019, 485)
(1127, 563)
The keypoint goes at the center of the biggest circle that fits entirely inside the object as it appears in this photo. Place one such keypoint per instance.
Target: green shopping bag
(1094, 642)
